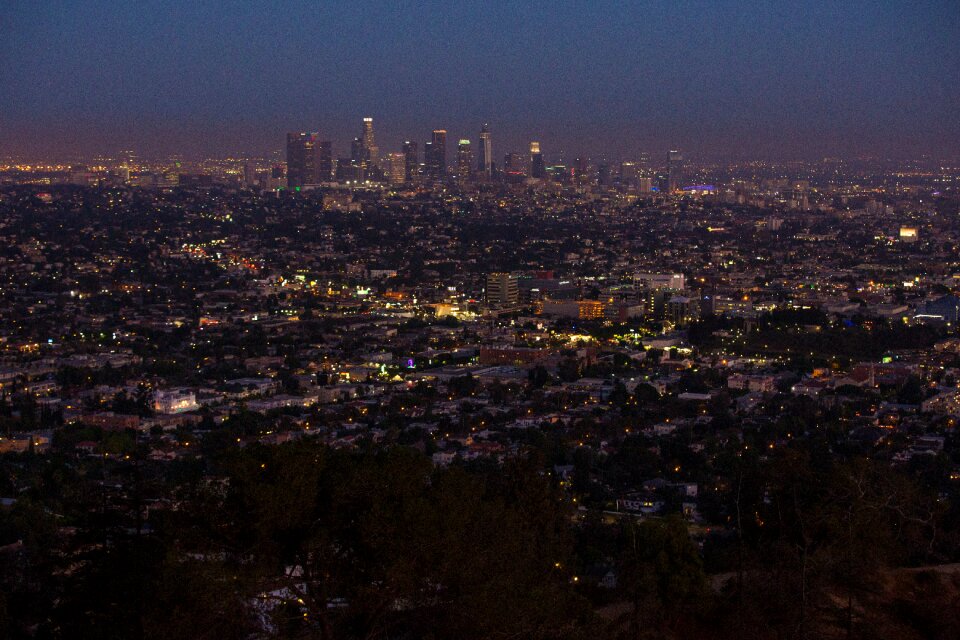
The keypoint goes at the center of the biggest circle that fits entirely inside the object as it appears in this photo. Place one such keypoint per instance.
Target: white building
(174, 401)
(675, 281)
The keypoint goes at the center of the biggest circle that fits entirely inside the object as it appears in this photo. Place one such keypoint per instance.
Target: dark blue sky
(771, 79)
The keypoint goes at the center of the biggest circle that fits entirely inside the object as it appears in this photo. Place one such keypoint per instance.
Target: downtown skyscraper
(435, 155)
(675, 171)
(538, 168)
(412, 161)
(325, 164)
(303, 159)
(371, 153)
(464, 160)
(485, 152)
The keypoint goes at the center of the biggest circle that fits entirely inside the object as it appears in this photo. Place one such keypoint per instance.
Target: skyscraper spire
(485, 151)
(371, 154)
(537, 167)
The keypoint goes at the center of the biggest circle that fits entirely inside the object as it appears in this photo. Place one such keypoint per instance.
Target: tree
(662, 575)
(538, 377)
(645, 394)
(569, 369)
(400, 545)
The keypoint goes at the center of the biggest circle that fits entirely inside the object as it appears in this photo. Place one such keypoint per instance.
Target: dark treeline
(303, 541)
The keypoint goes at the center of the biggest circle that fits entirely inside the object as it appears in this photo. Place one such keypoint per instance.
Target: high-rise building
(537, 167)
(604, 176)
(357, 152)
(249, 175)
(127, 165)
(349, 171)
(502, 288)
(396, 168)
(303, 159)
(325, 166)
(675, 171)
(435, 156)
(429, 161)
(581, 172)
(464, 159)
(560, 173)
(629, 175)
(411, 162)
(485, 152)
(516, 164)
(681, 310)
(371, 154)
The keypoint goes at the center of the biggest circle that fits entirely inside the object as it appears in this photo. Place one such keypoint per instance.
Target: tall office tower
(325, 166)
(604, 178)
(396, 168)
(371, 154)
(485, 157)
(502, 288)
(249, 175)
(629, 175)
(357, 152)
(303, 150)
(464, 160)
(516, 164)
(412, 161)
(580, 170)
(439, 153)
(128, 161)
(349, 171)
(429, 161)
(559, 172)
(537, 168)
(675, 171)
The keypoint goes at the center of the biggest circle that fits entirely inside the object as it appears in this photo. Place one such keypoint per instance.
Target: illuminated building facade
(502, 288)
(485, 152)
(371, 154)
(411, 161)
(396, 168)
(537, 167)
(675, 168)
(435, 155)
(303, 159)
(464, 159)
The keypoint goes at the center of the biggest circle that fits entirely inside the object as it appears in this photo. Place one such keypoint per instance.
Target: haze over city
(479, 321)
(784, 80)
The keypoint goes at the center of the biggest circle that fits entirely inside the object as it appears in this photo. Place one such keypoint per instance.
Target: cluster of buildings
(311, 162)
(459, 316)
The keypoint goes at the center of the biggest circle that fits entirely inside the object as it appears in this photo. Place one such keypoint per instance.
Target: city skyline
(717, 80)
(611, 320)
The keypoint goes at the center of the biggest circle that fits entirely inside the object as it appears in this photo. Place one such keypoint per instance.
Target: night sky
(715, 78)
